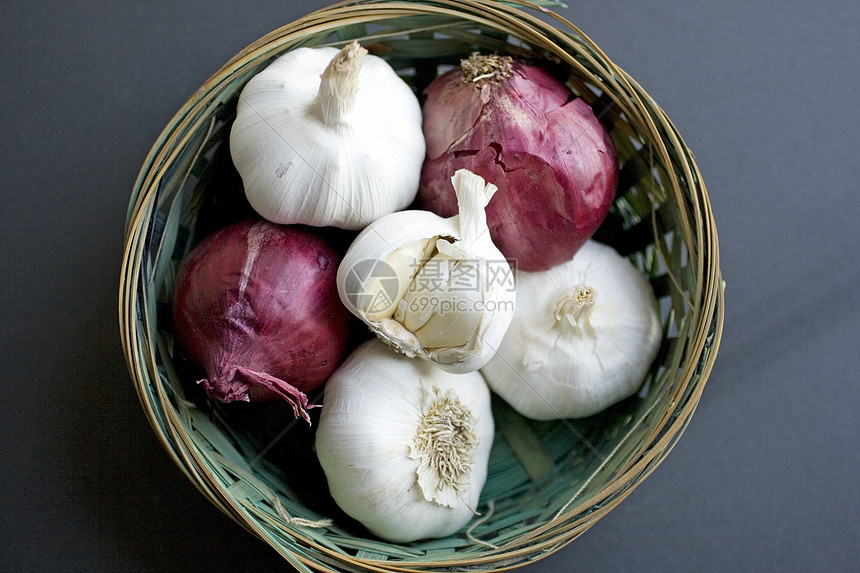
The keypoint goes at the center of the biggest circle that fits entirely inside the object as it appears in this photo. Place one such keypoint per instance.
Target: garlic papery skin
(403, 444)
(328, 137)
(433, 288)
(583, 337)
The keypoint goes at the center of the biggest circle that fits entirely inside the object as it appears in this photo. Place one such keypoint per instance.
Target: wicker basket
(549, 481)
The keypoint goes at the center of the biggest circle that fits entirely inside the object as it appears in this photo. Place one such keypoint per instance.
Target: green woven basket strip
(215, 147)
(638, 203)
(410, 50)
(633, 170)
(168, 237)
(149, 307)
(257, 498)
(387, 29)
(244, 491)
(680, 302)
(688, 278)
(568, 441)
(434, 548)
(506, 479)
(277, 527)
(442, 553)
(223, 448)
(157, 416)
(662, 286)
(662, 381)
(640, 181)
(448, 48)
(522, 506)
(169, 377)
(253, 484)
(362, 554)
(596, 466)
(293, 552)
(506, 473)
(500, 453)
(275, 484)
(704, 358)
(567, 494)
(351, 32)
(321, 538)
(293, 510)
(503, 524)
(336, 565)
(376, 546)
(563, 437)
(523, 442)
(558, 443)
(150, 167)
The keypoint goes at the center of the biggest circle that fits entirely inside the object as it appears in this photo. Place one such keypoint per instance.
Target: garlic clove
(405, 262)
(424, 309)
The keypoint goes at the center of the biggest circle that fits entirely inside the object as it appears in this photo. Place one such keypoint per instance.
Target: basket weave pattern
(549, 481)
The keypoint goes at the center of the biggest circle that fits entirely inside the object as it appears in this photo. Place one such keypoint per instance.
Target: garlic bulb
(403, 444)
(583, 337)
(328, 138)
(431, 287)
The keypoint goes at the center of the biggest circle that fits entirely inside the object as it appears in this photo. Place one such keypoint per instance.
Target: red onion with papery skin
(517, 126)
(255, 305)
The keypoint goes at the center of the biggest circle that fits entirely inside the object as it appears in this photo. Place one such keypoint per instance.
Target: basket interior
(548, 481)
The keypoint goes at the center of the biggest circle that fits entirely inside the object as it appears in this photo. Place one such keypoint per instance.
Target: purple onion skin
(256, 306)
(554, 163)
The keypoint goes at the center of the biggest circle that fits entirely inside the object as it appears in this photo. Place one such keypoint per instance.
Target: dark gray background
(765, 93)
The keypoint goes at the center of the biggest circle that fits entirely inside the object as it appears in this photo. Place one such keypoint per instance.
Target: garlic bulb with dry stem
(404, 445)
(583, 337)
(431, 287)
(328, 137)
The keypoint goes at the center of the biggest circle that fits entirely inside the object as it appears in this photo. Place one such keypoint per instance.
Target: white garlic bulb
(434, 288)
(583, 337)
(403, 444)
(328, 138)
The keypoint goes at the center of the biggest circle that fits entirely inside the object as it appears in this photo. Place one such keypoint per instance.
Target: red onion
(256, 306)
(520, 128)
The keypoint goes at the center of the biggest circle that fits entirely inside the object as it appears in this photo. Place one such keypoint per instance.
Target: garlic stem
(575, 304)
(339, 84)
(473, 195)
